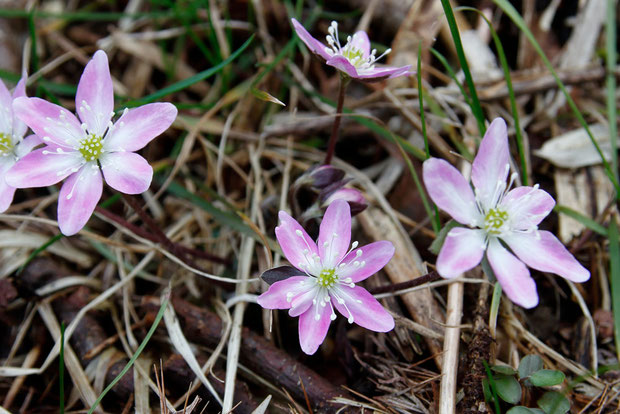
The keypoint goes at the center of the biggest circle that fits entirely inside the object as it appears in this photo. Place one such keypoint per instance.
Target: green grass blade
(191, 80)
(614, 260)
(511, 93)
(135, 356)
(421, 98)
(456, 37)
(514, 15)
(586, 221)
(38, 250)
(610, 81)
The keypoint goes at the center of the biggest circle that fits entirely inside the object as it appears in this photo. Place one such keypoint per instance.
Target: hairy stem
(331, 146)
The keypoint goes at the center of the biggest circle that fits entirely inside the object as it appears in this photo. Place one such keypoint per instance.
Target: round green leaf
(547, 378)
(554, 403)
(529, 365)
(519, 409)
(508, 389)
(503, 369)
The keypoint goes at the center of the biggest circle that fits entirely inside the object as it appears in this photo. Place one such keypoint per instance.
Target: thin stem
(427, 278)
(331, 146)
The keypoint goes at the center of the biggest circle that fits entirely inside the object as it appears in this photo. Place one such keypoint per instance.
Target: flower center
(327, 278)
(91, 147)
(351, 51)
(494, 220)
(6, 144)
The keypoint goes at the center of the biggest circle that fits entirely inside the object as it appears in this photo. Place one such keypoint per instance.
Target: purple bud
(353, 196)
(324, 175)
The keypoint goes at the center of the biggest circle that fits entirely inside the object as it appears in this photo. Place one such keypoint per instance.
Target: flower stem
(331, 146)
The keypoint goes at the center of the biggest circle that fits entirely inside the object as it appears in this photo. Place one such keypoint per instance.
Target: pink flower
(328, 272)
(497, 216)
(13, 145)
(354, 59)
(79, 152)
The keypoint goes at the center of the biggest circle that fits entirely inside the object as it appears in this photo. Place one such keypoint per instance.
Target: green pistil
(6, 144)
(353, 54)
(91, 147)
(494, 220)
(327, 278)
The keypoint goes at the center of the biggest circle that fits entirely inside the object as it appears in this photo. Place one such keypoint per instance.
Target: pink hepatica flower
(328, 272)
(13, 145)
(355, 58)
(497, 217)
(80, 151)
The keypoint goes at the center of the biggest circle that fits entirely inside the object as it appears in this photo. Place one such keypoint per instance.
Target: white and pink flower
(355, 58)
(328, 273)
(13, 145)
(81, 151)
(498, 217)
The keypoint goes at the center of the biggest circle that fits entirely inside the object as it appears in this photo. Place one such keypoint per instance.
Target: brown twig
(427, 278)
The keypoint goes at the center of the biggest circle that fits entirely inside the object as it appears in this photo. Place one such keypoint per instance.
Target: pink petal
(461, 251)
(374, 256)
(335, 233)
(126, 172)
(19, 128)
(512, 275)
(294, 240)
(302, 302)
(42, 168)
(6, 101)
(362, 308)
(94, 99)
(380, 73)
(342, 64)
(491, 165)
(54, 124)
(138, 126)
(543, 251)
(276, 296)
(450, 191)
(27, 145)
(527, 206)
(312, 332)
(360, 41)
(78, 198)
(6, 191)
(314, 45)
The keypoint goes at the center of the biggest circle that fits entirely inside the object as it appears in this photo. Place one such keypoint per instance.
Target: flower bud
(353, 196)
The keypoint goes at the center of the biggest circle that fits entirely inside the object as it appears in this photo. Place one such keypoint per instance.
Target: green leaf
(614, 260)
(508, 389)
(529, 365)
(553, 402)
(586, 221)
(547, 378)
(441, 237)
(519, 409)
(486, 390)
(503, 369)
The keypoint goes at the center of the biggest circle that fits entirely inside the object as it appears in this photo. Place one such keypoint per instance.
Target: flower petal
(302, 302)
(372, 258)
(450, 191)
(359, 306)
(276, 295)
(6, 117)
(335, 233)
(6, 191)
(138, 126)
(527, 206)
(384, 72)
(78, 197)
(312, 331)
(361, 41)
(27, 145)
(461, 251)
(491, 165)
(298, 248)
(19, 128)
(43, 167)
(512, 275)
(126, 172)
(543, 251)
(314, 45)
(342, 64)
(94, 99)
(52, 123)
